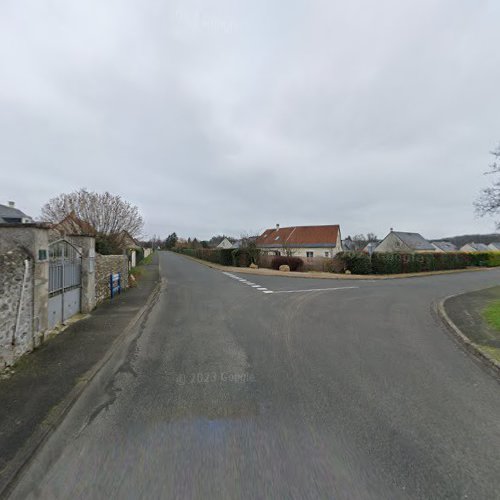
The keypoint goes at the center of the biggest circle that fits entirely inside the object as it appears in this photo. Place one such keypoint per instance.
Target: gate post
(88, 296)
(34, 238)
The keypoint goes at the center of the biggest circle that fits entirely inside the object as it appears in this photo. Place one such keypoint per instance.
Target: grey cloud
(228, 117)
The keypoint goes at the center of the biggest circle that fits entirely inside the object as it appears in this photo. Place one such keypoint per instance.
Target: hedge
(355, 262)
(400, 263)
(396, 263)
(225, 257)
(294, 263)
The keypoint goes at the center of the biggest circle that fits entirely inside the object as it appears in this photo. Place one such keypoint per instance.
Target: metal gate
(65, 272)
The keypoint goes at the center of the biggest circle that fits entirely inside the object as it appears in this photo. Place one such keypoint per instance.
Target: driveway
(320, 389)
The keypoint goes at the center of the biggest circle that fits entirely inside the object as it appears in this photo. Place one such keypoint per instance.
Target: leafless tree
(108, 214)
(488, 202)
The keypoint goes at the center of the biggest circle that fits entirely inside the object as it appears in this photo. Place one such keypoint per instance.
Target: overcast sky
(230, 117)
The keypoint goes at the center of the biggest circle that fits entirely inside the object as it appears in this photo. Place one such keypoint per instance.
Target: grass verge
(493, 352)
(491, 313)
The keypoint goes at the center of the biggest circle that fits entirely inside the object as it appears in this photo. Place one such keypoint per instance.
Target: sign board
(115, 284)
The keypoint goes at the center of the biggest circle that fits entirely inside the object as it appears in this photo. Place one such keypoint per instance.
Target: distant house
(494, 247)
(371, 246)
(444, 246)
(398, 241)
(225, 244)
(9, 214)
(72, 225)
(301, 241)
(348, 245)
(127, 242)
(475, 247)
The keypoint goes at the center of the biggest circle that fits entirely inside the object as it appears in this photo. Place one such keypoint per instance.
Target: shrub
(335, 265)
(139, 256)
(398, 263)
(493, 259)
(295, 263)
(485, 259)
(356, 262)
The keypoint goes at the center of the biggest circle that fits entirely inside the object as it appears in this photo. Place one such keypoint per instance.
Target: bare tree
(488, 202)
(108, 214)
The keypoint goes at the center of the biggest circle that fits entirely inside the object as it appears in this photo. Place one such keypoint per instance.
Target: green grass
(494, 352)
(491, 314)
(147, 260)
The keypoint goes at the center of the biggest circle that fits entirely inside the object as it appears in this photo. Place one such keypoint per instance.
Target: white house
(225, 244)
(475, 247)
(398, 241)
(9, 214)
(494, 247)
(301, 241)
(444, 246)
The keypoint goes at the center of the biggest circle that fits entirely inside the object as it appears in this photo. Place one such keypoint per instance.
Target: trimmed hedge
(395, 263)
(356, 262)
(485, 259)
(225, 257)
(401, 263)
(295, 263)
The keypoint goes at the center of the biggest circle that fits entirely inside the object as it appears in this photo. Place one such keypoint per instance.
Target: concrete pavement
(225, 391)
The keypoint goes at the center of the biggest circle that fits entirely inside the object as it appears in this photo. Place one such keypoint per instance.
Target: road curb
(492, 365)
(23, 457)
(330, 276)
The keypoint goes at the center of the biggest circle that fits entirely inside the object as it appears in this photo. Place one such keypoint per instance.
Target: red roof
(300, 236)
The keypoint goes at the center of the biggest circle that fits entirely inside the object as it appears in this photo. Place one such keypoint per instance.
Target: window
(277, 253)
(327, 254)
(309, 255)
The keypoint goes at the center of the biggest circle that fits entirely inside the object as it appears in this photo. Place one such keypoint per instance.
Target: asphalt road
(226, 391)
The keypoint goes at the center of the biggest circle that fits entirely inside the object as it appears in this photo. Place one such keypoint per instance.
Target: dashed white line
(262, 289)
(317, 289)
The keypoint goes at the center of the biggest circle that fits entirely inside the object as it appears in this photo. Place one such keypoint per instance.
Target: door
(65, 275)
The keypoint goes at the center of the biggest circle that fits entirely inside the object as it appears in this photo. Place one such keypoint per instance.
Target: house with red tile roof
(301, 241)
(72, 225)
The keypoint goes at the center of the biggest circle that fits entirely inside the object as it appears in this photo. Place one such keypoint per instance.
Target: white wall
(302, 252)
(392, 244)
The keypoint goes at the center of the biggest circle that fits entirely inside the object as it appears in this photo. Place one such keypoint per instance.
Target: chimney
(12, 204)
(392, 229)
(277, 227)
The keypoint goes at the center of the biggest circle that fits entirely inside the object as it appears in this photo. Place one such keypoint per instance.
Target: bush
(295, 263)
(220, 256)
(356, 262)
(335, 265)
(139, 256)
(399, 263)
(493, 259)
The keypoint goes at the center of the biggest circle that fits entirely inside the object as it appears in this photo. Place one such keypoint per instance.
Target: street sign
(115, 284)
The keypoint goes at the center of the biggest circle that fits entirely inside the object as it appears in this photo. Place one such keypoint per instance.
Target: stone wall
(104, 266)
(16, 305)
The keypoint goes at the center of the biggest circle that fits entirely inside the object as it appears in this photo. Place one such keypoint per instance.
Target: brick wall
(104, 266)
(16, 299)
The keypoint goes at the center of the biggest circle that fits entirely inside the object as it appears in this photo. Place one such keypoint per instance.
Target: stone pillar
(87, 246)
(34, 239)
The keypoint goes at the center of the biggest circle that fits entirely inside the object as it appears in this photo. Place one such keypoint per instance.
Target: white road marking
(262, 289)
(316, 289)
